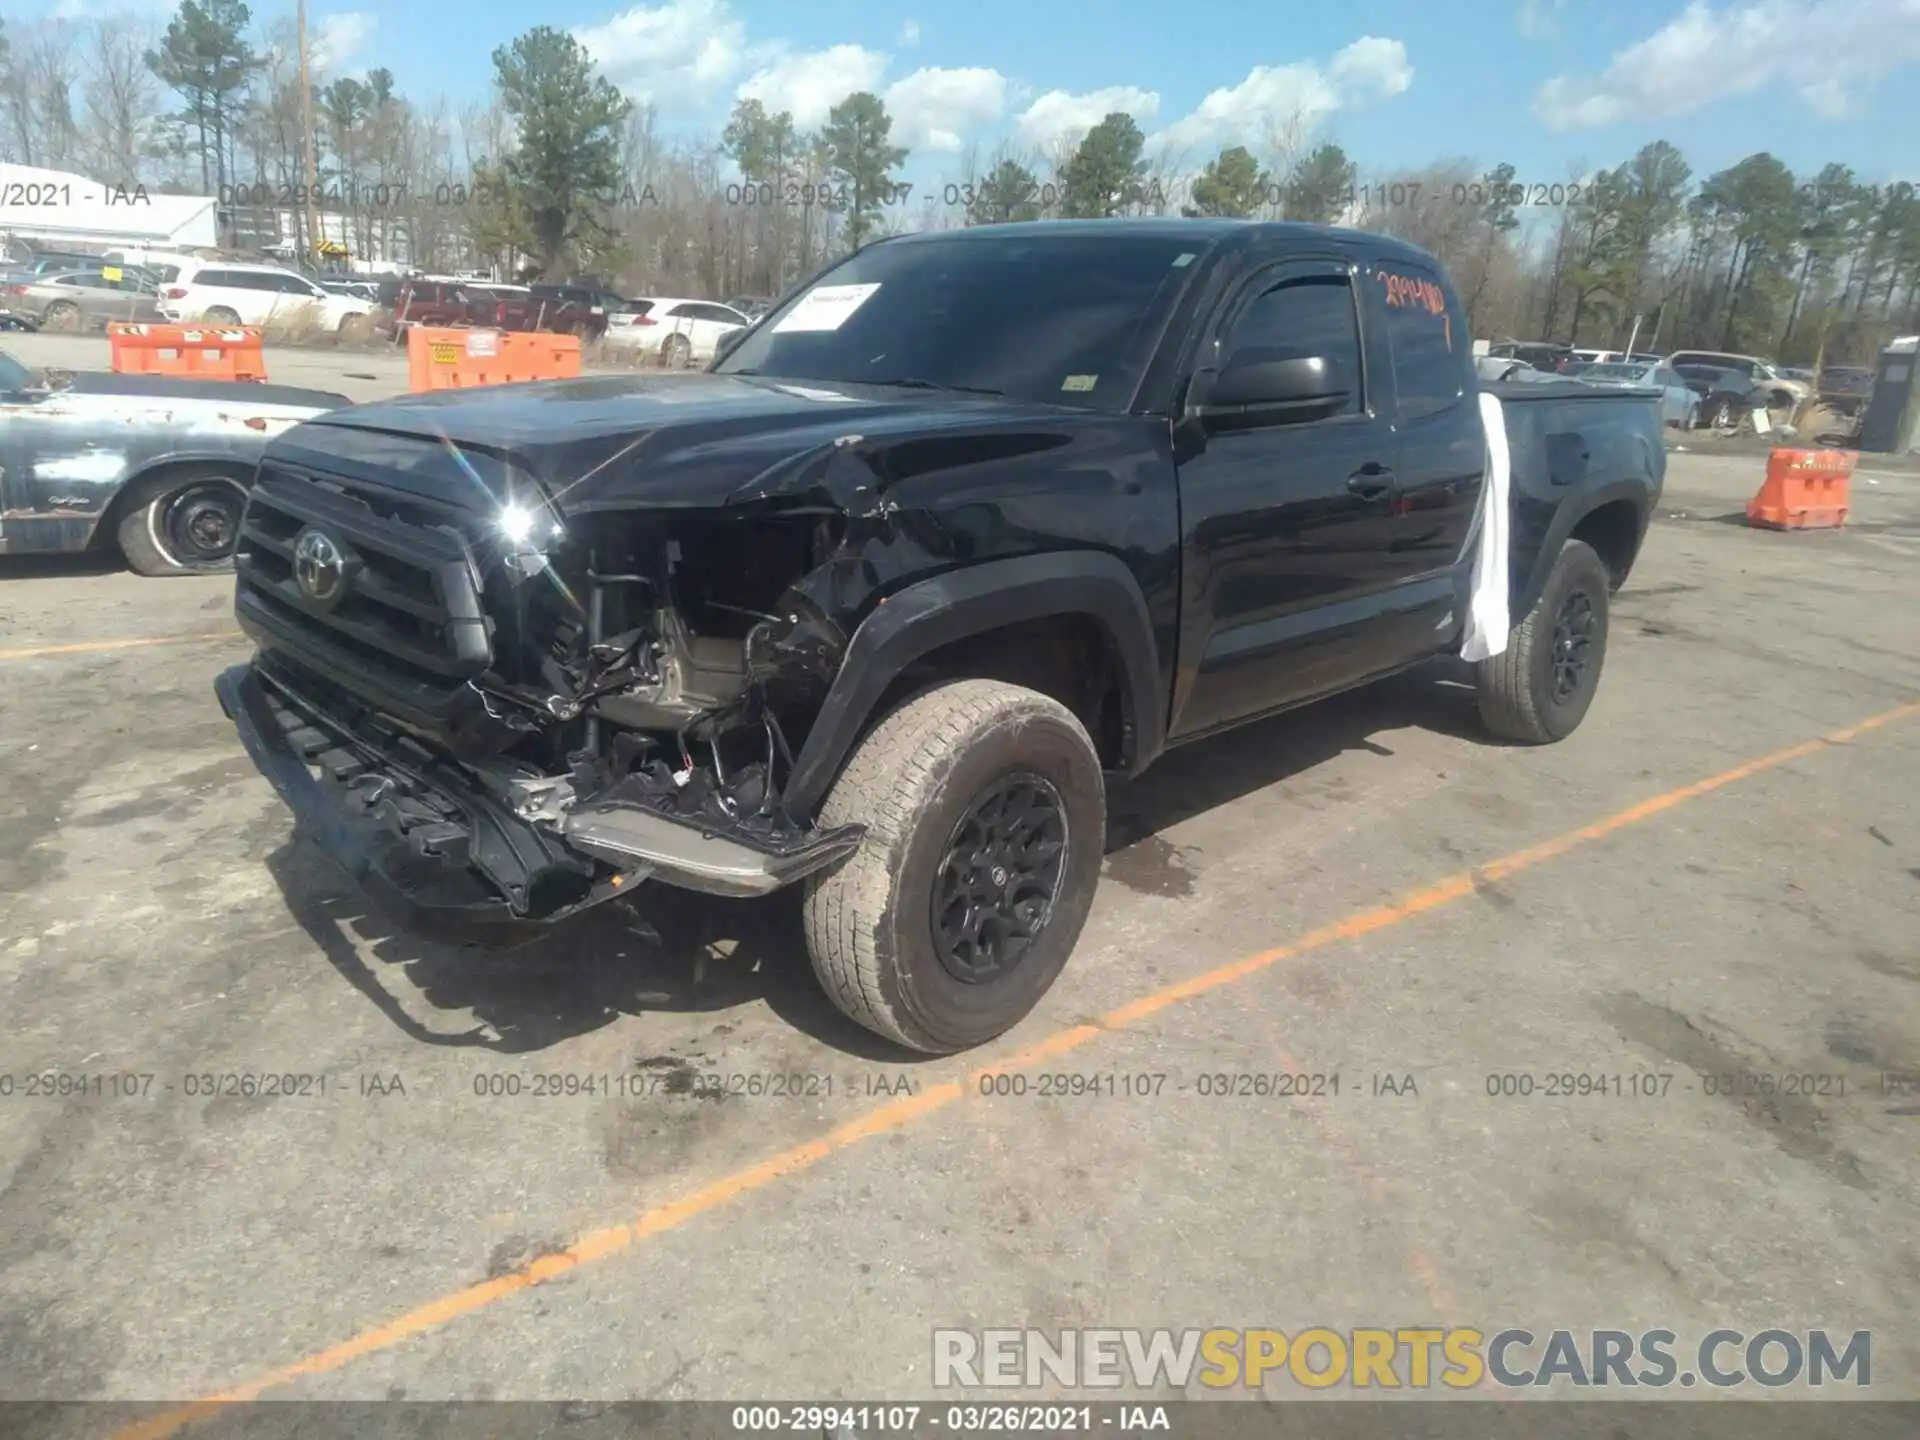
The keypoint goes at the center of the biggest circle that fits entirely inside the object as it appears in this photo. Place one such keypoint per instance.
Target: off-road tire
(1516, 687)
(142, 530)
(870, 922)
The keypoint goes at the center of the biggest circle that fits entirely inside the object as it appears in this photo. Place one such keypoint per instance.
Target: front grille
(411, 621)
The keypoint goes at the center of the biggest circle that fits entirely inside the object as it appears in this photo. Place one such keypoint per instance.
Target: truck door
(1426, 364)
(1288, 520)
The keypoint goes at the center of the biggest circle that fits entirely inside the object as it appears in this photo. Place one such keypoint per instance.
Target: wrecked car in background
(154, 465)
(974, 522)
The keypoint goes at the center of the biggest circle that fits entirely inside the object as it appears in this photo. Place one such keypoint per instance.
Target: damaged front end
(495, 720)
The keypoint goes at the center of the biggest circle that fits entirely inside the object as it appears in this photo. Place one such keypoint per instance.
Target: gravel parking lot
(1716, 877)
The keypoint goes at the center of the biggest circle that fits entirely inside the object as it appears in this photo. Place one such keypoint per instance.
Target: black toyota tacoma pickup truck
(973, 526)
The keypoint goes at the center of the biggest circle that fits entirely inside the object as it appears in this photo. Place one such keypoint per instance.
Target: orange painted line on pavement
(897, 1114)
(98, 647)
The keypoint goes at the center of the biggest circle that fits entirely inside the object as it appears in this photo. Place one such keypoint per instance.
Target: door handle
(1370, 481)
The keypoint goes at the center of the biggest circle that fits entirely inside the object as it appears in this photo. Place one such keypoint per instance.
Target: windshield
(1065, 319)
(1618, 372)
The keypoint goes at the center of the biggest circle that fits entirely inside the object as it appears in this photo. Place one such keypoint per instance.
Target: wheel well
(1613, 530)
(1070, 658)
(105, 534)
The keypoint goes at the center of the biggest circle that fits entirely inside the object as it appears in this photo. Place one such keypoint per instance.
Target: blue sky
(1544, 84)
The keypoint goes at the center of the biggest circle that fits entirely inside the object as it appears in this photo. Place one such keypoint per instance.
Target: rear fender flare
(1565, 522)
(935, 612)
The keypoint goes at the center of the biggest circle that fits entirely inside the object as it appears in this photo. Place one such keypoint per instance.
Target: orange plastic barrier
(1804, 490)
(459, 359)
(189, 350)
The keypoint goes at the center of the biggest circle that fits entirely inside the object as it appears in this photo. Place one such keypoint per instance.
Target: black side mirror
(1270, 386)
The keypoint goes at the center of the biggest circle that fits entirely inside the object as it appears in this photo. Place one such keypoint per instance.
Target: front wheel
(182, 524)
(1538, 689)
(985, 810)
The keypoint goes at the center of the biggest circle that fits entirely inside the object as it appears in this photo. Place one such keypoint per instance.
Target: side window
(1307, 315)
(1426, 367)
(683, 312)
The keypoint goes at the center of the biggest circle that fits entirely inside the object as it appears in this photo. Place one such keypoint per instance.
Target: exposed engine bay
(647, 692)
(669, 662)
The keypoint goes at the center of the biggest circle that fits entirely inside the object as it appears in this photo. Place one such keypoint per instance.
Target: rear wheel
(62, 315)
(676, 352)
(1538, 689)
(185, 523)
(222, 315)
(985, 809)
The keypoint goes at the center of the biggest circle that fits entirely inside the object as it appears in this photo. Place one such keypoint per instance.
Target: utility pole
(306, 141)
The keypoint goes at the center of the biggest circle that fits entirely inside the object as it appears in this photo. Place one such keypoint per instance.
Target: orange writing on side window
(1412, 292)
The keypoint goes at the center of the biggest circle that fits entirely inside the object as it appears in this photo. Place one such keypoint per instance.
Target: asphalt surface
(369, 1236)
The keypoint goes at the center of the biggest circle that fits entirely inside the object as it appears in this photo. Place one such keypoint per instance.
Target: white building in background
(54, 207)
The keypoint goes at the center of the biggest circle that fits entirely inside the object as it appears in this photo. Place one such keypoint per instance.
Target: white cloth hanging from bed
(1487, 620)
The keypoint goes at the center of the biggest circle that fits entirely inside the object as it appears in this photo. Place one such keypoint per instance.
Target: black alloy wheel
(996, 886)
(1573, 632)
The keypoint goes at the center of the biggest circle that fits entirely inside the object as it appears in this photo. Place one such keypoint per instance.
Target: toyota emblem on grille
(319, 566)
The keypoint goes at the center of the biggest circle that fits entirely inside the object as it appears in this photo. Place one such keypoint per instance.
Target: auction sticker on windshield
(826, 307)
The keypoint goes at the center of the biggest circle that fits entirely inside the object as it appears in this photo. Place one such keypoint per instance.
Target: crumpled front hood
(619, 441)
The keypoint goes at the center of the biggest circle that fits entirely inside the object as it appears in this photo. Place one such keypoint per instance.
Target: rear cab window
(1426, 339)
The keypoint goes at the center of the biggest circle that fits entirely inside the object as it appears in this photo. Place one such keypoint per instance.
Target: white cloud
(1059, 114)
(1370, 69)
(1241, 113)
(1535, 18)
(910, 34)
(679, 56)
(931, 108)
(1828, 51)
(810, 83)
(337, 39)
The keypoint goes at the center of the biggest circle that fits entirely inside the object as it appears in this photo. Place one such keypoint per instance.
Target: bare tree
(1283, 143)
(118, 97)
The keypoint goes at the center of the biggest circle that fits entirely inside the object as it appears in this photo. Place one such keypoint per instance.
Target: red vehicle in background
(445, 302)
